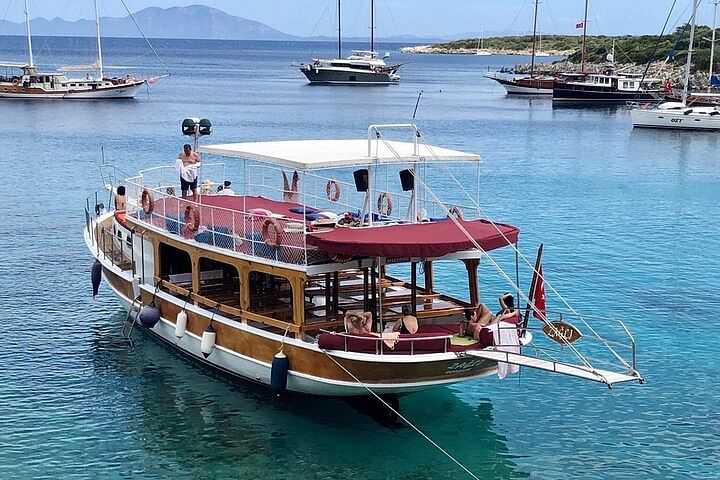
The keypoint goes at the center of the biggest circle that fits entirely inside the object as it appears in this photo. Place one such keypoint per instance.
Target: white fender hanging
(208, 341)
(181, 323)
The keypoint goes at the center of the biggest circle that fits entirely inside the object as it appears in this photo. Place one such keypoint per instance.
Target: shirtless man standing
(186, 166)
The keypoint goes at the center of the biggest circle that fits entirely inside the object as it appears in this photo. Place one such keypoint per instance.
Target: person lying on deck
(475, 320)
(408, 323)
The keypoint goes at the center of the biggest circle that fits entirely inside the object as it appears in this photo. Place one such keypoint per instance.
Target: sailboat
(540, 52)
(531, 84)
(480, 50)
(361, 67)
(678, 115)
(31, 83)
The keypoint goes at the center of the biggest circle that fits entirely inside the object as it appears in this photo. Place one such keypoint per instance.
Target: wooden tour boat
(260, 284)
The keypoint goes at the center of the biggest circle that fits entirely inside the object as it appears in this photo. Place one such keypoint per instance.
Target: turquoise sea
(629, 220)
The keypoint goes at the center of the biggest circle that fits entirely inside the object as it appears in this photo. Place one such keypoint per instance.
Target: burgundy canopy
(427, 240)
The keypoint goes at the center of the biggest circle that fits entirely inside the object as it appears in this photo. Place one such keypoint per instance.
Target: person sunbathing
(476, 320)
(408, 323)
(358, 323)
(507, 312)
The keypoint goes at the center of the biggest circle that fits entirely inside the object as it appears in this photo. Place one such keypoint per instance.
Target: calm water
(629, 221)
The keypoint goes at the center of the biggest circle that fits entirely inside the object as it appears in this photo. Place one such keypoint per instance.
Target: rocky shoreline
(432, 49)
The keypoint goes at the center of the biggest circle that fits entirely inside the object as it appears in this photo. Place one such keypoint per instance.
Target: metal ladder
(131, 318)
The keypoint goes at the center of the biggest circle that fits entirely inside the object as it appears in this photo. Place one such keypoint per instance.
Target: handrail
(377, 337)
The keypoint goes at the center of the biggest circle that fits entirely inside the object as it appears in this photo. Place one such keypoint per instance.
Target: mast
(532, 60)
(27, 28)
(372, 25)
(712, 45)
(582, 63)
(689, 56)
(339, 32)
(97, 30)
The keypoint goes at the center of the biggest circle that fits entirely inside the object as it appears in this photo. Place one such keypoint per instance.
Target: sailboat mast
(97, 31)
(582, 63)
(339, 32)
(689, 56)
(29, 36)
(532, 60)
(712, 45)
(372, 25)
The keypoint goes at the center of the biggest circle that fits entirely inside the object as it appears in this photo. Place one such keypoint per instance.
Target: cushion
(300, 210)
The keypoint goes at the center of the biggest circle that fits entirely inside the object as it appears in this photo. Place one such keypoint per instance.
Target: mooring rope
(430, 440)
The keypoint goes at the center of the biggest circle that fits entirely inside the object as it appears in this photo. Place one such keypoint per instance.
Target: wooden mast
(582, 62)
(532, 59)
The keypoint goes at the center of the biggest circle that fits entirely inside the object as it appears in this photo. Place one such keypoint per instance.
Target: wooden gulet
(258, 286)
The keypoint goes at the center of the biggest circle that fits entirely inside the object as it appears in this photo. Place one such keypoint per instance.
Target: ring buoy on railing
(192, 218)
(147, 201)
(457, 211)
(16, 81)
(271, 241)
(385, 204)
(332, 190)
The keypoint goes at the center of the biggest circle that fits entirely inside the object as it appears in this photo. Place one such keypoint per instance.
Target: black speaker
(361, 180)
(407, 180)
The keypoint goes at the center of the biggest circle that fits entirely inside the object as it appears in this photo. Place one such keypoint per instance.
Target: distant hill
(196, 21)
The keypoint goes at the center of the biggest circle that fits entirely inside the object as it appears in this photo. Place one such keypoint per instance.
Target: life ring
(16, 81)
(147, 201)
(332, 190)
(269, 240)
(385, 204)
(192, 218)
(457, 211)
(668, 86)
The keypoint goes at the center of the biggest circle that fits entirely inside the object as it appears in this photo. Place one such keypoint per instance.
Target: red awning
(426, 240)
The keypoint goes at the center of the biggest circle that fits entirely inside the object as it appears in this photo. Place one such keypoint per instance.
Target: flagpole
(533, 284)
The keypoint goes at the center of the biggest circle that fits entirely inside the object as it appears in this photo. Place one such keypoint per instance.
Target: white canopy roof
(309, 154)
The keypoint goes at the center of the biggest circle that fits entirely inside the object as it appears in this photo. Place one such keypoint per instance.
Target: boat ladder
(131, 317)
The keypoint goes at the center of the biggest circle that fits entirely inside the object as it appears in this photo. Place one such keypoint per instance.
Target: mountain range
(196, 21)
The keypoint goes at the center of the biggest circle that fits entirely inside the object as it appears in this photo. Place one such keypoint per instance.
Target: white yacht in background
(359, 68)
(678, 115)
(480, 50)
(31, 83)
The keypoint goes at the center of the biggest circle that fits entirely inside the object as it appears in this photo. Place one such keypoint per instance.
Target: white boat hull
(114, 92)
(676, 120)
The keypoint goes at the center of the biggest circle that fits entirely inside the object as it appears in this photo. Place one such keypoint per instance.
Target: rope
(132, 17)
(410, 424)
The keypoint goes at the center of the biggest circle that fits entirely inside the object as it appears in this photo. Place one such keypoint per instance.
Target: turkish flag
(539, 296)
(580, 25)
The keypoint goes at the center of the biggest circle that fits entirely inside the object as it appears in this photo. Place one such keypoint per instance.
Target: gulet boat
(265, 284)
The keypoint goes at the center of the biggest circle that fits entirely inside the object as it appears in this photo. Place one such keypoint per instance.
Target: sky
(305, 18)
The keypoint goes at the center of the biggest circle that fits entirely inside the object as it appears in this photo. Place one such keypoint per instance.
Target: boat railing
(604, 331)
(381, 342)
(250, 233)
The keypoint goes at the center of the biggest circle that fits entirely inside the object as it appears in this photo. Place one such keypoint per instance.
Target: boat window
(175, 265)
(271, 296)
(220, 282)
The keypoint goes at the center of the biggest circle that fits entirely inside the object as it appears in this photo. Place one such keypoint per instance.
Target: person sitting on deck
(475, 320)
(358, 323)
(507, 312)
(225, 189)
(408, 323)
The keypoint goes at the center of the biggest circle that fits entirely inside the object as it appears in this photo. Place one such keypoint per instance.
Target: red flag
(539, 296)
(580, 25)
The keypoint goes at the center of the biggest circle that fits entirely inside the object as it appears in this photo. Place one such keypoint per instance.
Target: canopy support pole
(471, 265)
(413, 288)
(328, 297)
(428, 269)
(373, 293)
(336, 292)
(366, 291)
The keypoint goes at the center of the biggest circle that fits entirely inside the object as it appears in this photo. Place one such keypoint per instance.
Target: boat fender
(271, 241)
(149, 315)
(332, 190)
(457, 211)
(16, 81)
(96, 277)
(181, 323)
(147, 201)
(279, 373)
(207, 345)
(192, 218)
(385, 204)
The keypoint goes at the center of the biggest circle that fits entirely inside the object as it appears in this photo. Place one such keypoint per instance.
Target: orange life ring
(385, 204)
(457, 211)
(192, 218)
(147, 201)
(332, 190)
(16, 81)
(269, 240)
